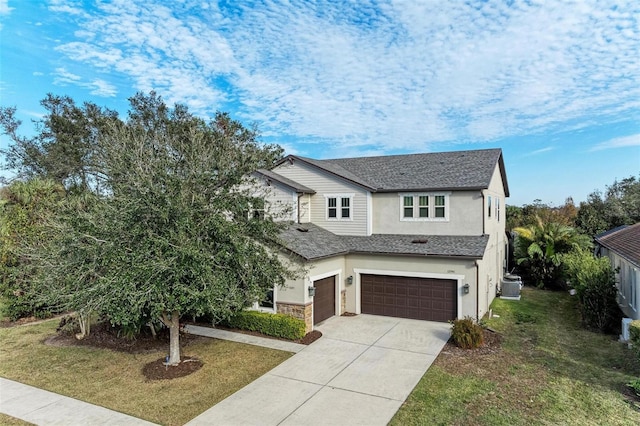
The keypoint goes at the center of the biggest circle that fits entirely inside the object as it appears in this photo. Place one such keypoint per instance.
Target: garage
(324, 301)
(428, 299)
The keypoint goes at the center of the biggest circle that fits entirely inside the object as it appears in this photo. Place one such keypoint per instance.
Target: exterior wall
(465, 216)
(303, 312)
(325, 184)
(627, 282)
(282, 203)
(462, 270)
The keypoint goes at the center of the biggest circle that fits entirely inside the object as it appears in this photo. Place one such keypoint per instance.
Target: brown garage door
(405, 297)
(324, 302)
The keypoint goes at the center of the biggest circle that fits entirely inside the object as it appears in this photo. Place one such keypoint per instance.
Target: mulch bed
(492, 344)
(157, 370)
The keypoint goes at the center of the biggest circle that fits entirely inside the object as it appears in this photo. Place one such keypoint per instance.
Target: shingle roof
(457, 170)
(625, 241)
(315, 242)
(285, 181)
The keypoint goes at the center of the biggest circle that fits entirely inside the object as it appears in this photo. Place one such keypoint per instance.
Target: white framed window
(268, 303)
(339, 206)
(424, 207)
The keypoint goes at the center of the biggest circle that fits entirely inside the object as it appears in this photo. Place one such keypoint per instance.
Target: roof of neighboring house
(623, 240)
(313, 242)
(269, 175)
(456, 170)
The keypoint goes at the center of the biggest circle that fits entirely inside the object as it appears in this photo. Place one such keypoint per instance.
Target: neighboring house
(622, 246)
(417, 236)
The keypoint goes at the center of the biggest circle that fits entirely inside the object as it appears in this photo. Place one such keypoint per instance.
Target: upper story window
(425, 207)
(339, 207)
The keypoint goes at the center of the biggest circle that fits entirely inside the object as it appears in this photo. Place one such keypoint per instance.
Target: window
(339, 207)
(489, 205)
(267, 304)
(423, 207)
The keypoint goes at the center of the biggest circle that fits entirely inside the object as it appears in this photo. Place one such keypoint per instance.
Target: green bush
(467, 334)
(634, 339)
(635, 386)
(277, 325)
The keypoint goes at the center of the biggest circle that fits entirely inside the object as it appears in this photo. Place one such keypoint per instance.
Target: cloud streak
(622, 142)
(382, 75)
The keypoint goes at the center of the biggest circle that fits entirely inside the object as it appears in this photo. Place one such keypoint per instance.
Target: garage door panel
(324, 301)
(409, 297)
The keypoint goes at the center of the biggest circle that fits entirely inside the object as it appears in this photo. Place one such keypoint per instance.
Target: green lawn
(115, 380)
(549, 371)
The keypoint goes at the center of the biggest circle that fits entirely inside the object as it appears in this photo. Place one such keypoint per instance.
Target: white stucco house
(417, 236)
(622, 246)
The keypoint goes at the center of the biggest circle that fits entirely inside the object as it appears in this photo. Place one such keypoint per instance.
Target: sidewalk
(42, 407)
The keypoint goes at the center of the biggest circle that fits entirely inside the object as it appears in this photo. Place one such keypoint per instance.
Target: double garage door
(406, 297)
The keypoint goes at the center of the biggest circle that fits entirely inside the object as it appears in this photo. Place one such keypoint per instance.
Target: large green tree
(169, 235)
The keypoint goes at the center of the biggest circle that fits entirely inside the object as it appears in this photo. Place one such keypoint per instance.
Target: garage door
(324, 302)
(406, 297)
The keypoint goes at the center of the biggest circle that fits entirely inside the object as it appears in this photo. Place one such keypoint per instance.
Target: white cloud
(97, 87)
(4, 7)
(392, 76)
(622, 142)
(540, 151)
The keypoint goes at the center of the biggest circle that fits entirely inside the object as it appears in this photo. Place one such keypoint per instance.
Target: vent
(420, 241)
(301, 229)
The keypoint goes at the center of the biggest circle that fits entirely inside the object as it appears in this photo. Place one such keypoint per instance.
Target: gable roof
(456, 170)
(312, 242)
(273, 176)
(623, 240)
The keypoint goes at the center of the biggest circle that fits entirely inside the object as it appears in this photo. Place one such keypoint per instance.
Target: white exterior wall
(464, 216)
(327, 185)
(628, 284)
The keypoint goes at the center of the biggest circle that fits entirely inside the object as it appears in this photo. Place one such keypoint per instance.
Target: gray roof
(268, 174)
(315, 242)
(456, 170)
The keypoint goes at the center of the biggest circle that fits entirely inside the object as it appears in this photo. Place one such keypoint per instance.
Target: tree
(170, 235)
(65, 143)
(619, 205)
(24, 206)
(539, 247)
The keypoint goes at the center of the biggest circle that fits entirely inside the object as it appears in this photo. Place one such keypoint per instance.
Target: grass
(12, 421)
(115, 380)
(549, 371)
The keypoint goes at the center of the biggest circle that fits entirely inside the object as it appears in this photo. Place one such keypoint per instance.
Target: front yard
(548, 371)
(115, 379)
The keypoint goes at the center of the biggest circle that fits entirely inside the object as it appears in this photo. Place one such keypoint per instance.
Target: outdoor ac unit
(624, 337)
(510, 289)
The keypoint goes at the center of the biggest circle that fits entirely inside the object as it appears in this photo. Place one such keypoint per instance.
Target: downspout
(477, 289)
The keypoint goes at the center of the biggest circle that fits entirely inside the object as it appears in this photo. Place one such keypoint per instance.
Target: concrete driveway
(359, 373)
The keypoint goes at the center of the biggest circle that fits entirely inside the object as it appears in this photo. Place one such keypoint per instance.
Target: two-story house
(417, 236)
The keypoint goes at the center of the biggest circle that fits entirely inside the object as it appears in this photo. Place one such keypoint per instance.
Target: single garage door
(324, 302)
(406, 297)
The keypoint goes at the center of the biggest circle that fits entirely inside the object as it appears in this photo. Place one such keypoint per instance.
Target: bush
(635, 386)
(594, 282)
(467, 334)
(276, 325)
(634, 339)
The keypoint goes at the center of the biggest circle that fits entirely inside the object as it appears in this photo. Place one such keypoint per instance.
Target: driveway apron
(359, 373)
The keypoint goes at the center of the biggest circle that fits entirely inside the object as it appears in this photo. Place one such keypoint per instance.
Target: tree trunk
(173, 322)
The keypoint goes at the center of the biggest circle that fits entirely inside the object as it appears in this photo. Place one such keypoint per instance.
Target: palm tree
(538, 248)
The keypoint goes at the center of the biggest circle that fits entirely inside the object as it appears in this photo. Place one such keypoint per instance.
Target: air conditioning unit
(624, 337)
(510, 287)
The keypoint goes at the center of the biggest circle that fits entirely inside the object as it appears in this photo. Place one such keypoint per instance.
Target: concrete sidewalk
(42, 407)
(359, 373)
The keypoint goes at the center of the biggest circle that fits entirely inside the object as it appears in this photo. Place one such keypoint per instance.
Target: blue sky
(555, 84)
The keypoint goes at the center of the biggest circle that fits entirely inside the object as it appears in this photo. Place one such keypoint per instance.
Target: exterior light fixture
(466, 288)
(312, 291)
(350, 280)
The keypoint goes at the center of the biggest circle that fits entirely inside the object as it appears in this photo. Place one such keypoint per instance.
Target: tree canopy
(164, 231)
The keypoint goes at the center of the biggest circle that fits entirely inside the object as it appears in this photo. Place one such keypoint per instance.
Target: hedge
(277, 325)
(634, 336)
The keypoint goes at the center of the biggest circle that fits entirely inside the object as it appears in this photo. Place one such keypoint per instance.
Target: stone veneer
(297, 310)
(343, 302)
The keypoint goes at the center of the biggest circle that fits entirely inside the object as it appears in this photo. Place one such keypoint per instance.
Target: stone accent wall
(303, 312)
(343, 301)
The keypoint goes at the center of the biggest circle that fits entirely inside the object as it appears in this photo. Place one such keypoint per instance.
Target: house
(622, 246)
(416, 236)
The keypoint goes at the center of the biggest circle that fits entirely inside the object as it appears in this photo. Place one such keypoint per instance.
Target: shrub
(467, 334)
(635, 386)
(277, 325)
(594, 282)
(634, 339)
